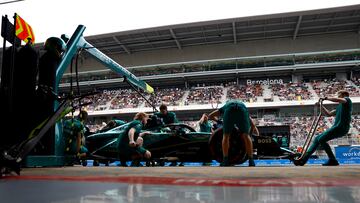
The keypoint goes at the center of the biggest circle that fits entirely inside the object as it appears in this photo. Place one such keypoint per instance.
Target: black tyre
(161, 163)
(96, 163)
(237, 153)
(84, 162)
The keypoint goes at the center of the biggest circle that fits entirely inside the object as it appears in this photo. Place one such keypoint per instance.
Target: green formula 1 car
(179, 142)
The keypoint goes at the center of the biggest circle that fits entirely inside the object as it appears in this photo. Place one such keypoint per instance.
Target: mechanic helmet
(65, 37)
(83, 114)
(56, 45)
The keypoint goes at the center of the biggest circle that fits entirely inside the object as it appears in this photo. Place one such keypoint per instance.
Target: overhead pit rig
(18, 152)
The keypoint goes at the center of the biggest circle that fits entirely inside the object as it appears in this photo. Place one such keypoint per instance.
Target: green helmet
(55, 44)
(83, 114)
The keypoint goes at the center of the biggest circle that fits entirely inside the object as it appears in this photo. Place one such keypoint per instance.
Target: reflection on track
(89, 191)
(155, 193)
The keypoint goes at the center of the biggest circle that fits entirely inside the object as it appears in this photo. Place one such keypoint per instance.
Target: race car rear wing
(78, 42)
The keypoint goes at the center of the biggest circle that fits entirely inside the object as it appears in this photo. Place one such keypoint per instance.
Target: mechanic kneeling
(130, 142)
(73, 129)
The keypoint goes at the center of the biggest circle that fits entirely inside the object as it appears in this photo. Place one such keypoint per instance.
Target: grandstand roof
(285, 25)
(234, 30)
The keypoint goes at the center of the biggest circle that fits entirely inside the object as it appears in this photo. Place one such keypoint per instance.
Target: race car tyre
(84, 162)
(96, 163)
(237, 152)
(161, 163)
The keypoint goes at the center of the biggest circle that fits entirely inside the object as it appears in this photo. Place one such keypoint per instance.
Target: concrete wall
(245, 48)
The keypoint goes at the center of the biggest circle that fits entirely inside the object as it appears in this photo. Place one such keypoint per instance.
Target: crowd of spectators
(356, 81)
(356, 122)
(204, 95)
(331, 86)
(354, 91)
(126, 98)
(291, 91)
(217, 94)
(327, 87)
(98, 101)
(245, 93)
(328, 57)
(169, 97)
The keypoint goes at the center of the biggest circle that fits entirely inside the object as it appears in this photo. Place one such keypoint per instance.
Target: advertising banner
(347, 152)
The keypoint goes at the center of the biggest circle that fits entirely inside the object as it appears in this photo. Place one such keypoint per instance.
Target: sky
(53, 17)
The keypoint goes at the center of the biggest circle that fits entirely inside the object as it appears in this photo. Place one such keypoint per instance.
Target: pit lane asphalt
(240, 172)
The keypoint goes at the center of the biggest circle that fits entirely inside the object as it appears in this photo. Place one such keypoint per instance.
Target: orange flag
(23, 30)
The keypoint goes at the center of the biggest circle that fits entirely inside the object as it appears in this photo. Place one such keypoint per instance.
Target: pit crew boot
(251, 163)
(331, 162)
(136, 163)
(302, 162)
(299, 162)
(225, 162)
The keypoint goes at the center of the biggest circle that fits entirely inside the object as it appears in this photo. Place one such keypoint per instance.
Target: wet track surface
(311, 183)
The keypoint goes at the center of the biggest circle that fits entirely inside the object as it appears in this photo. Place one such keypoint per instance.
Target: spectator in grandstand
(166, 116)
(130, 142)
(340, 128)
(74, 129)
(235, 113)
(205, 125)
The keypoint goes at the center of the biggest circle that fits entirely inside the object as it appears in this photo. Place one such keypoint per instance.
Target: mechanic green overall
(339, 129)
(119, 122)
(205, 125)
(73, 131)
(167, 117)
(131, 141)
(112, 124)
(235, 113)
